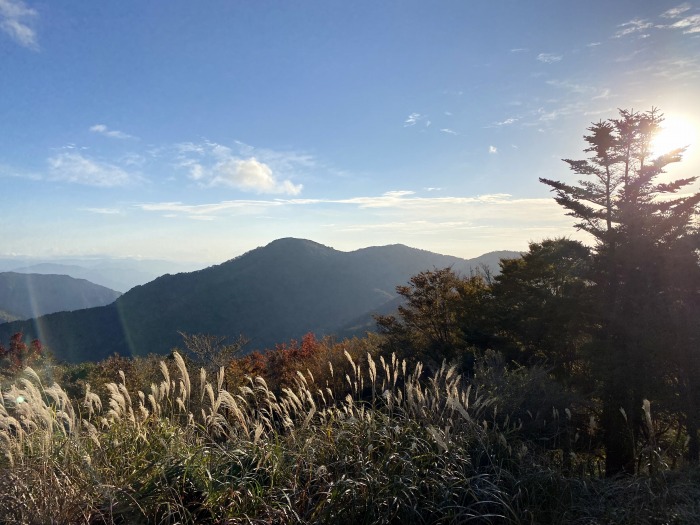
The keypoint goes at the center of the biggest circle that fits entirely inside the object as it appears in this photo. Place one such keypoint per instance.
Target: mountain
(23, 296)
(116, 274)
(122, 279)
(270, 294)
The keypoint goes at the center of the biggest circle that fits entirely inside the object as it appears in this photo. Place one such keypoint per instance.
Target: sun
(675, 132)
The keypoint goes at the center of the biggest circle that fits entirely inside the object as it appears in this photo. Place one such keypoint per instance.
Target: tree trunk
(618, 437)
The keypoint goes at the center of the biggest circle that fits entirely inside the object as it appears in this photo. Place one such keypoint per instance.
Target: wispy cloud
(449, 131)
(79, 169)
(675, 70)
(16, 21)
(499, 215)
(676, 12)
(103, 211)
(604, 94)
(519, 50)
(207, 210)
(493, 150)
(101, 129)
(636, 25)
(569, 86)
(9, 171)
(689, 24)
(398, 199)
(412, 120)
(506, 122)
(549, 58)
(580, 89)
(211, 164)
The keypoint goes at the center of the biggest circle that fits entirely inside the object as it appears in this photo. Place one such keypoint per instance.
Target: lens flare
(675, 132)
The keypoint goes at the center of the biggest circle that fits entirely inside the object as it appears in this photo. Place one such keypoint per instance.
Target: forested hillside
(269, 295)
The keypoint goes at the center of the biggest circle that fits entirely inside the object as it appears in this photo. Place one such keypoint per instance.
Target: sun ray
(676, 132)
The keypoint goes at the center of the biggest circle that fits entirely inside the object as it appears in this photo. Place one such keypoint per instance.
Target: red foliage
(279, 366)
(18, 355)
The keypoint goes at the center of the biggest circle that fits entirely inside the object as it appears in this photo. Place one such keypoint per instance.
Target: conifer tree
(643, 226)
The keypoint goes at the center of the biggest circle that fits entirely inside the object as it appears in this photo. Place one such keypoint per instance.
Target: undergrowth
(395, 445)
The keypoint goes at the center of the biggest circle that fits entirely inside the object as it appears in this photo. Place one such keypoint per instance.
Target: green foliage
(443, 317)
(540, 305)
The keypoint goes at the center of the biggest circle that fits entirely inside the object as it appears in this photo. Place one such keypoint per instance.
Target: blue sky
(196, 131)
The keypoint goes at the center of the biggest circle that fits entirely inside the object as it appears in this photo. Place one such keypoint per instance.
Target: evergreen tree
(538, 306)
(642, 225)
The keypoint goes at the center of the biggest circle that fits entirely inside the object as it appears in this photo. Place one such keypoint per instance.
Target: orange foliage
(279, 366)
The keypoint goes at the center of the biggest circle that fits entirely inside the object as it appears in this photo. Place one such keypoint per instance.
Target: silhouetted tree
(641, 225)
(540, 306)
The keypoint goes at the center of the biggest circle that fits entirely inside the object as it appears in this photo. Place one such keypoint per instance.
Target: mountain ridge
(269, 294)
(27, 295)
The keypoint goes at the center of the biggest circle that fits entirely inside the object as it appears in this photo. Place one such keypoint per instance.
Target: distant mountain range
(117, 274)
(23, 296)
(270, 295)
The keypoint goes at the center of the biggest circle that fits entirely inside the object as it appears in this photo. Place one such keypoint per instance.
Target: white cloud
(250, 175)
(677, 11)
(449, 131)
(569, 86)
(593, 44)
(549, 58)
(75, 168)
(506, 122)
(519, 50)
(689, 25)
(495, 215)
(580, 89)
(493, 150)
(217, 165)
(104, 130)
(174, 209)
(103, 211)
(605, 94)
(397, 199)
(636, 25)
(16, 21)
(412, 119)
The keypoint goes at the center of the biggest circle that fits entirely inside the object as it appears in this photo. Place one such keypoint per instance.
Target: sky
(196, 131)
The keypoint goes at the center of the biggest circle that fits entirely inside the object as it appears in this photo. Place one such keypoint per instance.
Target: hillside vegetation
(560, 391)
(270, 295)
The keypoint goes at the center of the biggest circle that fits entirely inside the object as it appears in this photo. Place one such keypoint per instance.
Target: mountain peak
(291, 242)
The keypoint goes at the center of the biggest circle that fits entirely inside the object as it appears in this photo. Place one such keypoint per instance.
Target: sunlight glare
(676, 132)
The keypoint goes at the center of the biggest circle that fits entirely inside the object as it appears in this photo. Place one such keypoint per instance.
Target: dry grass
(390, 447)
